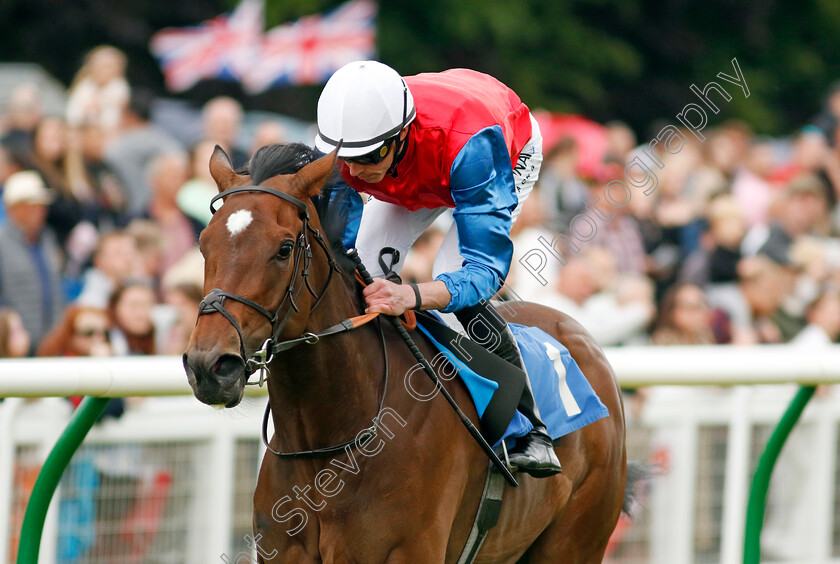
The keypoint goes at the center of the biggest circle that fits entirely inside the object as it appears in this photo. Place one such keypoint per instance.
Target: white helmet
(364, 103)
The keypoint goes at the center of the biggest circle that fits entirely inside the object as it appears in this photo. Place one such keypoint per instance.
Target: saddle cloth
(565, 399)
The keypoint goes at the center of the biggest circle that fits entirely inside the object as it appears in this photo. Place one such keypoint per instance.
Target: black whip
(494, 458)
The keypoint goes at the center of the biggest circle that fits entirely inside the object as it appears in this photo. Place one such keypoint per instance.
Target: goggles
(374, 157)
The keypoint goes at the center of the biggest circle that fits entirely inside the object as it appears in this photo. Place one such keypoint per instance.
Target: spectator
(194, 196)
(753, 305)
(809, 152)
(14, 338)
(23, 113)
(563, 192)
(668, 218)
(49, 149)
(529, 277)
(765, 286)
(130, 312)
(99, 92)
(684, 318)
(716, 261)
(30, 257)
(134, 148)
(823, 321)
(82, 331)
(814, 259)
(166, 174)
(751, 186)
(719, 163)
(221, 120)
(50, 157)
(150, 246)
(8, 167)
(105, 193)
(620, 141)
(801, 209)
(268, 132)
(183, 299)
(613, 317)
(621, 234)
(115, 260)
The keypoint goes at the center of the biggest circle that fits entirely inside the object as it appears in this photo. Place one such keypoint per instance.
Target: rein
(214, 302)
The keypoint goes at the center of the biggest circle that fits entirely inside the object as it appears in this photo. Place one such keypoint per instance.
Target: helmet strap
(400, 151)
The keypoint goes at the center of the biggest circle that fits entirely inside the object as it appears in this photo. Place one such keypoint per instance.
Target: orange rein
(408, 319)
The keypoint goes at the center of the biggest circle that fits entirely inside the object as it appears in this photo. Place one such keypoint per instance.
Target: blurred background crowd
(102, 206)
(101, 211)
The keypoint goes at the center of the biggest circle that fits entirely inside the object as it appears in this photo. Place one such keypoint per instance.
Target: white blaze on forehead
(238, 221)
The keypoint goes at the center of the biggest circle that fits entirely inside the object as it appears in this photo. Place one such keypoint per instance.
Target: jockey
(457, 140)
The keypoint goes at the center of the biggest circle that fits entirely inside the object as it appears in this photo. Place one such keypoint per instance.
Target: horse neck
(323, 394)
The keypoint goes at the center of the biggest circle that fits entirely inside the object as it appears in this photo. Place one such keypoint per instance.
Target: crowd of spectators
(100, 216)
(101, 209)
(738, 244)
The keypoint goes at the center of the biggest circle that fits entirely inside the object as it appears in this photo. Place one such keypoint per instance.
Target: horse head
(258, 274)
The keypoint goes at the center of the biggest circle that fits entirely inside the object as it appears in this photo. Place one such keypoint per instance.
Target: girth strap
(489, 509)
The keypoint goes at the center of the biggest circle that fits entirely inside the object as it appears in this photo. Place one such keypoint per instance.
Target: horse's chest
(327, 539)
(330, 517)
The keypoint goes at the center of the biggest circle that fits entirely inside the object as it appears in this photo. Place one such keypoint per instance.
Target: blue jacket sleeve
(345, 215)
(485, 197)
(345, 205)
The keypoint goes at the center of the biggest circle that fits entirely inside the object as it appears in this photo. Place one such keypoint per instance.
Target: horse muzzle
(216, 379)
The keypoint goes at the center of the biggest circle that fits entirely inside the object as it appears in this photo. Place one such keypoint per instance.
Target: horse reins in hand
(427, 368)
(214, 302)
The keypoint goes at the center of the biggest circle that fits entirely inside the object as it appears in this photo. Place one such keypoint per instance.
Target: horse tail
(638, 476)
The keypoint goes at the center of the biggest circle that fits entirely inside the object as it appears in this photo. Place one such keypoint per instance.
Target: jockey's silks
(452, 107)
(468, 133)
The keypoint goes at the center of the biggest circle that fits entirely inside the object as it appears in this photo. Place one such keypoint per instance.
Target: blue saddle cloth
(564, 397)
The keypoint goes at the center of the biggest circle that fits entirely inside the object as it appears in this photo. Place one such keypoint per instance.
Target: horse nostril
(228, 366)
(193, 375)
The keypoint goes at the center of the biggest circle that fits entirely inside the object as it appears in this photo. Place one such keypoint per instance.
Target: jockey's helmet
(364, 104)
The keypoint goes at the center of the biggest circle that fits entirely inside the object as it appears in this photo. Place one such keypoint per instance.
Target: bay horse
(407, 492)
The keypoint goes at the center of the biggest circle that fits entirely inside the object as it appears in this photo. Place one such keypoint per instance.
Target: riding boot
(534, 453)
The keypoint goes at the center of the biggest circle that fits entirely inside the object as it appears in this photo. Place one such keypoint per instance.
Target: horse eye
(285, 250)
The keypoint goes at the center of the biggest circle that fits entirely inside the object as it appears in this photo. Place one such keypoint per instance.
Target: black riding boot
(534, 453)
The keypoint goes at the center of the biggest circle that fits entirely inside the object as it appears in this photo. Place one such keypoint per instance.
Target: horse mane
(332, 205)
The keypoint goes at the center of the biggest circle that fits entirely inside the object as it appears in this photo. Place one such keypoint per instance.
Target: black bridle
(214, 302)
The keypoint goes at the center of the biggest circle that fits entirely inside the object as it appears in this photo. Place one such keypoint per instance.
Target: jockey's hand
(383, 296)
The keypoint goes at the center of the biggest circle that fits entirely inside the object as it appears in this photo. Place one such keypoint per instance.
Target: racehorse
(408, 490)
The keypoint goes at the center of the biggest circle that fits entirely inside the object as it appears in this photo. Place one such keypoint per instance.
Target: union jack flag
(223, 47)
(309, 50)
(234, 47)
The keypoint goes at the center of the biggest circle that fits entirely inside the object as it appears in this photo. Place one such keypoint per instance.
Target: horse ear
(311, 178)
(222, 171)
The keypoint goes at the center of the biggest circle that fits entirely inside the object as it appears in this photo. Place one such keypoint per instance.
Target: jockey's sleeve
(353, 204)
(482, 186)
(350, 202)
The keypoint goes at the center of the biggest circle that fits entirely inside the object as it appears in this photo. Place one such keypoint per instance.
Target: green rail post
(761, 478)
(36, 511)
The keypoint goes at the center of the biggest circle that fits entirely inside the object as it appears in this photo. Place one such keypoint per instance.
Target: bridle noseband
(214, 302)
